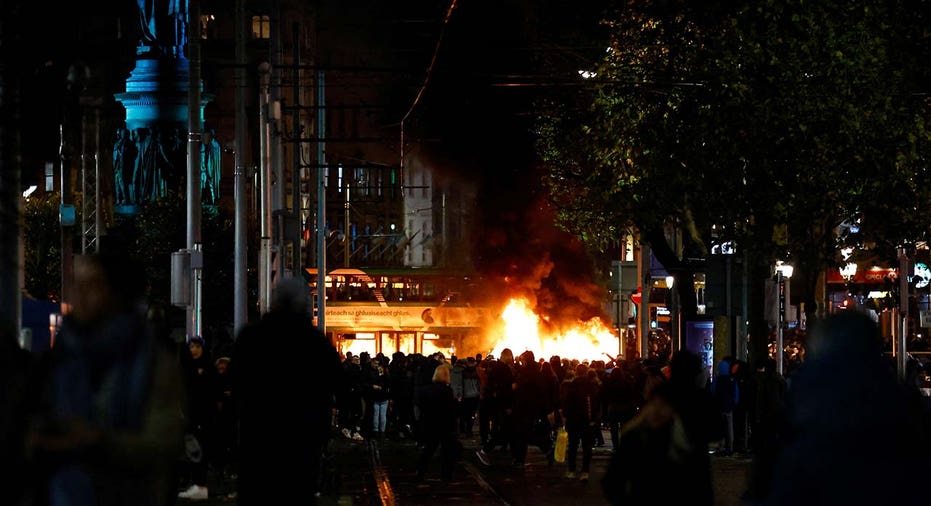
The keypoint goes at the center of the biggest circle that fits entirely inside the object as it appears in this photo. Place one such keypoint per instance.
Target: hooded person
(284, 375)
(852, 428)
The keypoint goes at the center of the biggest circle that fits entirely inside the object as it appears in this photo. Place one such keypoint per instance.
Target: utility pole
(265, 218)
(902, 335)
(296, 218)
(646, 285)
(194, 244)
(90, 191)
(347, 238)
(66, 218)
(277, 204)
(321, 204)
(780, 321)
(239, 177)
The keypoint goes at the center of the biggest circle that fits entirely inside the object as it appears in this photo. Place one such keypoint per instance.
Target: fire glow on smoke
(521, 329)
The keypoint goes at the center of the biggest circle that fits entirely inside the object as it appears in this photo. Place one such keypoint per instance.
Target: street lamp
(783, 272)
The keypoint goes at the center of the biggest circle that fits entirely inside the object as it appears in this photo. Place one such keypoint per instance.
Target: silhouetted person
(853, 434)
(110, 428)
(769, 411)
(199, 414)
(663, 455)
(284, 377)
(438, 416)
(581, 407)
(534, 401)
(16, 366)
(727, 395)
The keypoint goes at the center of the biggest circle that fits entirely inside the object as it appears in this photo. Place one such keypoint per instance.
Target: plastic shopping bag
(562, 443)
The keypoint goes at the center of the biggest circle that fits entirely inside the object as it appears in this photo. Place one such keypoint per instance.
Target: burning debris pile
(520, 329)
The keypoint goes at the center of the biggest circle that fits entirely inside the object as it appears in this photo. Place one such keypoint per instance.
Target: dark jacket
(373, 380)
(285, 375)
(114, 376)
(438, 411)
(667, 443)
(581, 403)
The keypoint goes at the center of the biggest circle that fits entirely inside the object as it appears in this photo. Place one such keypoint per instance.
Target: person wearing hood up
(853, 435)
(284, 374)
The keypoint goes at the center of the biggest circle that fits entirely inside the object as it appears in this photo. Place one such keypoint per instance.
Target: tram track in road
(482, 482)
(393, 481)
(382, 482)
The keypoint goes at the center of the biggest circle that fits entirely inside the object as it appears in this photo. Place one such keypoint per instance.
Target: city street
(369, 475)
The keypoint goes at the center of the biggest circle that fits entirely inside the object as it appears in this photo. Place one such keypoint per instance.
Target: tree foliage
(42, 247)
(768, 123)
(160, 229)
(150, 237)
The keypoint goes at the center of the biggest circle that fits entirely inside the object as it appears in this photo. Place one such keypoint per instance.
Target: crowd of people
(118, 413)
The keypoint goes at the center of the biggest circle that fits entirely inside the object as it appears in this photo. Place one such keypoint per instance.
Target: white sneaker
(194, 493)
(357, 437)
(346, 434)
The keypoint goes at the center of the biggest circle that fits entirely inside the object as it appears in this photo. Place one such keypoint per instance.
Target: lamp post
(783, 272)
(902, 334)
(673, 314)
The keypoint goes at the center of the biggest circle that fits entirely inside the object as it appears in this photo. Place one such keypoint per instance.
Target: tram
(401, 310)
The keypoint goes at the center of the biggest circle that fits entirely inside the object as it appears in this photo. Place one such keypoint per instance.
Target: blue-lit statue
(150, 152)
(153, 165)
(164, 25)
(124, 162)
(210, 168)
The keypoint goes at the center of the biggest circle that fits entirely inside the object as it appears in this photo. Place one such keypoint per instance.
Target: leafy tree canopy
(767, 122)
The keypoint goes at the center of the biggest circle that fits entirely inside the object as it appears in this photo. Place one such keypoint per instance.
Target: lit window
(206, 20)
(49, 176)
(261, 27)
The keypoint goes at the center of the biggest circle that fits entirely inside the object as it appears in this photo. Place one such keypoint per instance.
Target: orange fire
(520, 330)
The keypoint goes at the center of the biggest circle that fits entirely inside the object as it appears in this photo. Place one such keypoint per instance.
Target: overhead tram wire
(426, 81)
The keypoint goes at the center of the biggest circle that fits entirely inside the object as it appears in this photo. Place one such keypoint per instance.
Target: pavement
(367, 474)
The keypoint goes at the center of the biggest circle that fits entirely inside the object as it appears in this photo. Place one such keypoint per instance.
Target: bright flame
(589, 340)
